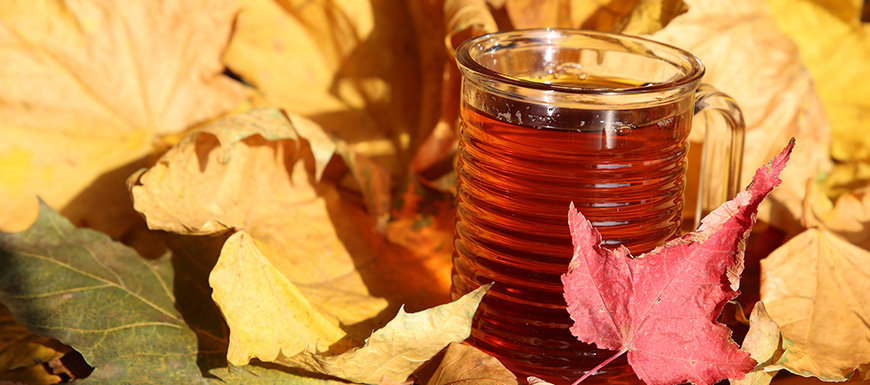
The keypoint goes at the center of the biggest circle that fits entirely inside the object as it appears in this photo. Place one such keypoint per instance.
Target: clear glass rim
(466, 61)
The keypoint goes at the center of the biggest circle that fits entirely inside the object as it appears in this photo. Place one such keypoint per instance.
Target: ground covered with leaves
(260, 191)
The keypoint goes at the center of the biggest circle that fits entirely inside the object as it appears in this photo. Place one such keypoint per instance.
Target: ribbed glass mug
(551, 117)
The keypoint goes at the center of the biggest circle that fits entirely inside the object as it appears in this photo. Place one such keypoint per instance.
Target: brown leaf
(423, 225)
(89, 93)
(432, 163)
(465, 364)
(817, 288)
(373, 181)
(22, 353)
(748, 58)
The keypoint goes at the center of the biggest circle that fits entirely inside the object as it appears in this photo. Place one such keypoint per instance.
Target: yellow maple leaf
(750, 59)
(251, 172)
(88, 84)
(835, 45)
(395, 351)
(817, 289)
(351, 66)
(268, 315)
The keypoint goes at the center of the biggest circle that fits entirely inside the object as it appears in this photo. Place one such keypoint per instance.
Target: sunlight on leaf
(835, 45)
(267, 315)
(632, 17)
(97, 86)
(254, 172)
(750, 59)
(351, 66)
(402, 346)
(817, 288)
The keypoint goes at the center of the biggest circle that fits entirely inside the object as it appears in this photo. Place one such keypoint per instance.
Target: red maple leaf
(662, 307)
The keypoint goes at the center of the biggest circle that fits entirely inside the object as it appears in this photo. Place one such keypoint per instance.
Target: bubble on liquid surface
(623, 130)
(560, 72)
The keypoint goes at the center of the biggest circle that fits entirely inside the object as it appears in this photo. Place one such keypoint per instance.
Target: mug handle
(722, 151)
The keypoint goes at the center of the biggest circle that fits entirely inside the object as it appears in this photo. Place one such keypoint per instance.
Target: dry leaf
(763, 342)
(400, 347)
(817, 288)
(845, 178)
(633, 17)
(464, 19)
(840, 203)
(267, 315)
(468, 365)
(87, 85)
(423, 224)
(835, 45)
(748, 58)
(351, 66)
(254, 172)
(638, 305)
(21, 359)
(848, 216)
(433, 160)
(374, 183)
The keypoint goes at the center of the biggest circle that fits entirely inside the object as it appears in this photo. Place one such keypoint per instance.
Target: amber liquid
(624, 169)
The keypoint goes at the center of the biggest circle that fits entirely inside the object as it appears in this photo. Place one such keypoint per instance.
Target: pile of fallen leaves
(259, 191)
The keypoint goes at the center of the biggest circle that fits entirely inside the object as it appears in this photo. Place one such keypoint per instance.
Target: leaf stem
(601, 365)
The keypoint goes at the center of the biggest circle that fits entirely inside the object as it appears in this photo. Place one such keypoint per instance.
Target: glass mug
(550, 117)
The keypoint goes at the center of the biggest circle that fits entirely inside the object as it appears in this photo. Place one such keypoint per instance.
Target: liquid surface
(623, 169)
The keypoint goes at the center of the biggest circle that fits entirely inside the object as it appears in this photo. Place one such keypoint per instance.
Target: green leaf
(98, 296)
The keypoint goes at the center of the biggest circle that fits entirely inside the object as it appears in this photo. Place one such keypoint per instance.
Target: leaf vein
(101, 279)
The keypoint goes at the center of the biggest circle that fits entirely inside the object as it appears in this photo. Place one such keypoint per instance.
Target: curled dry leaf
(88, 94)
(255, 172)
(401, 347)
(351, 66)
(817, 288)
(750, 59)
(763, 342)
(835, 45)
(634, 17)
(432, 163)
(465, 364)
(848, 214)
(465, 19)
(21, 361)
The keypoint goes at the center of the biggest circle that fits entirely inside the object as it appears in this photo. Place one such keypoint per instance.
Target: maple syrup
(520, 166)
